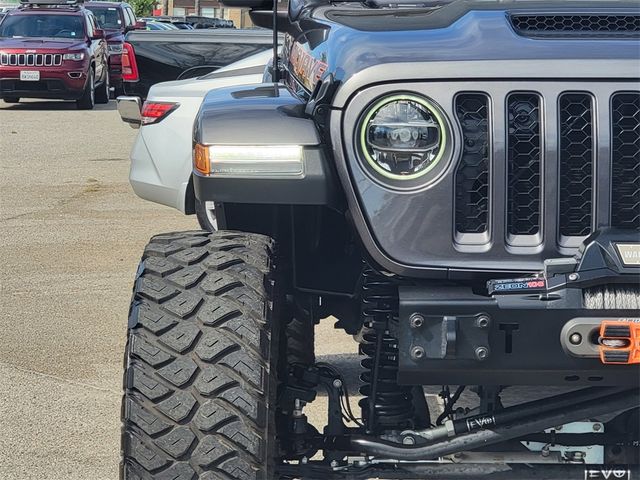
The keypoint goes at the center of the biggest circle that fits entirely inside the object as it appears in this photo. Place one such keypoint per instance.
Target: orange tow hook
(619, 342)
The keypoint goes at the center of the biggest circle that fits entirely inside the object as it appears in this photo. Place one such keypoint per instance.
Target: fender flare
(264, 115)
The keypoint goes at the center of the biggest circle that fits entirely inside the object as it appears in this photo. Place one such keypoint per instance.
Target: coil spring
(393, 404)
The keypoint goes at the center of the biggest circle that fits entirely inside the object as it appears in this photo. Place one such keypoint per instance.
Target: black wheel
(206, 216)
(103, 93)
(88, 99)
(11, 100)
(200, 369)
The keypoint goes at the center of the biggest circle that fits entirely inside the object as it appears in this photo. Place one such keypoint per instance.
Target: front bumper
(65, 84)
(539, 330)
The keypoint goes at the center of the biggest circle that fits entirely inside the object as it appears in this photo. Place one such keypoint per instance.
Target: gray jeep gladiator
(456, 184)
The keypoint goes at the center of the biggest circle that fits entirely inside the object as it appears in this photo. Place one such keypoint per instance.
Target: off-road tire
(11, 100)
(103, 93)
(87, 101)
(200, 370)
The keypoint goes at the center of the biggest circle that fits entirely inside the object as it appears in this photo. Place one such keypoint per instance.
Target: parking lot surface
(72, 232)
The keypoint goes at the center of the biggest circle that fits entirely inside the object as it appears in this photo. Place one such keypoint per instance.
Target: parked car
(116, 19)
(153, 26)
(53, 49)
(207, 22)
(178, 22)
(455, 185)
(154, 57)
(161, 155)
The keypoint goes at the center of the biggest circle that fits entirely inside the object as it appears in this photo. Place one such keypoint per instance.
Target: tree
(143, 8)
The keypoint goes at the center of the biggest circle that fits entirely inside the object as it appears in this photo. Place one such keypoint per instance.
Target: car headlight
(402, 137)
(74, 56)
(115, 49)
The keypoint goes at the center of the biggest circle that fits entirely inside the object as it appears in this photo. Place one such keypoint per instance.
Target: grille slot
(626, 25)
(524, 145)
(576, 157)
(472, 173)
(625, 160)
(31, 59)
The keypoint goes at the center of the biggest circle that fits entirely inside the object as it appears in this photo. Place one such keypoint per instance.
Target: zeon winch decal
(516, 285)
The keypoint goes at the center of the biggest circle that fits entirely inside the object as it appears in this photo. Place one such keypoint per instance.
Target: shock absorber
(385, 404)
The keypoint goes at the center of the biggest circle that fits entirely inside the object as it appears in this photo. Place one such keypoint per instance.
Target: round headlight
(403, 137)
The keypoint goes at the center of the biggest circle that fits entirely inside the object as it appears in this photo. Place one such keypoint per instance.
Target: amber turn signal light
(201, 160)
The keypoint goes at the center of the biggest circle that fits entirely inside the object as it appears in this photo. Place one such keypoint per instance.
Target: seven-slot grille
(563, 157)
(31, 59)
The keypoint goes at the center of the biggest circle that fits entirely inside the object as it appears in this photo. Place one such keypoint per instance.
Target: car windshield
(108, 18)
(53, 26)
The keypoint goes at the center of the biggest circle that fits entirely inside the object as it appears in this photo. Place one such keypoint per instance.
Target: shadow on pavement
(53, 105)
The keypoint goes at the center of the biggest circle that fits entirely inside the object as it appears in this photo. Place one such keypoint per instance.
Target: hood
(42, 43)
(114, 36)
(340, 40)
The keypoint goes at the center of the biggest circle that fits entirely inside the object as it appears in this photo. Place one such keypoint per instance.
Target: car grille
(524, 143)
(569, 167)
(531, 24)
(576, 157)
(31, 59)
(472, 174)
(625, 199)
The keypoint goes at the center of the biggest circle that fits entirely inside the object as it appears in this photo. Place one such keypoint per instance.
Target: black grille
(625, 160)
(576, 164)
(472, 174)
(578, 24)
(523, 164)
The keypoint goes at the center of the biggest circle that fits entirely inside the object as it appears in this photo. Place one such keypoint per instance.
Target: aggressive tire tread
(198, 380)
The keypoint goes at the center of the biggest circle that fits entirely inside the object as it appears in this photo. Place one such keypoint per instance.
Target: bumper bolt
(573, 277)
(482, 353)
(483, 321)
(337, 383)
(416, 320)
(575, 338)
(417, 353)
(408, 440)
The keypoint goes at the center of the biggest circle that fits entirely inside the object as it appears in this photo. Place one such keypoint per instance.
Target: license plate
(29, 76)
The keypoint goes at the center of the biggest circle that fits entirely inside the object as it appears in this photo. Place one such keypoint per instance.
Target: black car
(455, 184)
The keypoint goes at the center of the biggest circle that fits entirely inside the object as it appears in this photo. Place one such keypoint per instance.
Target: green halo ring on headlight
(363, 135)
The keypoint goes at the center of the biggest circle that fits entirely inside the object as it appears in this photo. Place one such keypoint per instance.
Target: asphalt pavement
(71, 234)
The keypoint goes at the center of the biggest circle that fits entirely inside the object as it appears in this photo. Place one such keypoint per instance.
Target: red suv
(50, 49)
(116, 19)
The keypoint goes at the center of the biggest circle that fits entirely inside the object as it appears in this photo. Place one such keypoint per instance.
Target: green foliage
(143, 8)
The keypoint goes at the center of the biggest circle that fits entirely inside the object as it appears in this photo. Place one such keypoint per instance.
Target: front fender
(263, 115)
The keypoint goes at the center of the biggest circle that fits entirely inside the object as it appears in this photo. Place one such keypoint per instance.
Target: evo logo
(607, 474)
(478, 423)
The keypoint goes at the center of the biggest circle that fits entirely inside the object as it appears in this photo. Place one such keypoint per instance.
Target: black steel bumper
(452, 335)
